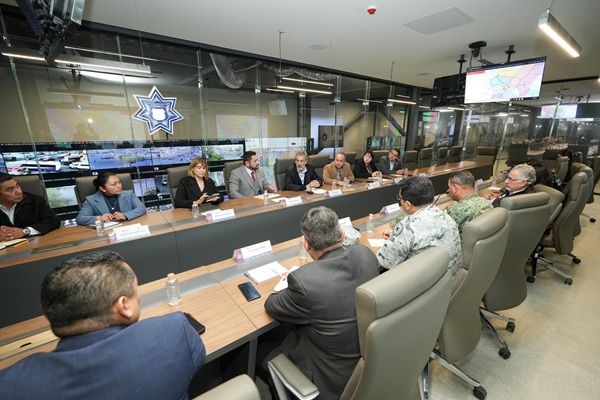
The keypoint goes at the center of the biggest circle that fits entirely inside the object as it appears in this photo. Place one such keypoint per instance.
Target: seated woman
(110, 202)
(543, 176)
(365, 167)
(197, 187)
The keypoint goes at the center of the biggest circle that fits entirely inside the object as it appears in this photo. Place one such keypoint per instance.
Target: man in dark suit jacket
(520, 180)
(390, 164)
(93, 305)
(319, 301)
(309, 175)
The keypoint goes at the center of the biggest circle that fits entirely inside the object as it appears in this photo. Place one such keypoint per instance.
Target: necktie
(253, 177)
(339, 174)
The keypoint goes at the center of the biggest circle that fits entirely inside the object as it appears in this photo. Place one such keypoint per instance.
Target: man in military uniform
(461, 188)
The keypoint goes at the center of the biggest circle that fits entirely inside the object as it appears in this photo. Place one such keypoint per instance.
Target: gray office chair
(241, 387)
(579, 167)
(596, 174)
(377, 154)
(549, 158)
(174, 175)
(442, 156)
(517, 154)
(350, 158)
(484, 241)
(281, 164)
(455, 154)
(564, 228)
(561, 167)
(424, 157)
(528, 215)
(399, 315)
(227, 168)
(410, 159)
(486, 154)
(32, 184)
(84, 186)
(319, 161)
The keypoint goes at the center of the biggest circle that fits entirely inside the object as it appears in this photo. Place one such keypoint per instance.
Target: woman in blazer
(365, 167)
(197, 187)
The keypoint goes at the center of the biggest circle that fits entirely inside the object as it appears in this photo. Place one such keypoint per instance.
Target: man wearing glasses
(390, 164)
(519, 180)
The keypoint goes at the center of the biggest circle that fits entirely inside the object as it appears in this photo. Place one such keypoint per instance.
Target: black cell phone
(249, 291)
(195, 324)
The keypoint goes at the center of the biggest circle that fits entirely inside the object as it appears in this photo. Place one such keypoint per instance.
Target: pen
(282, 276)
(22, 243)
(247, 275)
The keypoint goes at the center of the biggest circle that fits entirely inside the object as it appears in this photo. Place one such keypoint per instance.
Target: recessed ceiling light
(319, 46)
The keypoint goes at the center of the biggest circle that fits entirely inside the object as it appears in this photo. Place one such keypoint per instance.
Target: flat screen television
(511, 81)
(564, 111)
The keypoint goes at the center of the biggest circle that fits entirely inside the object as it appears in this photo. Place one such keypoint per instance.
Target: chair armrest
(285, 373)
(241, 387)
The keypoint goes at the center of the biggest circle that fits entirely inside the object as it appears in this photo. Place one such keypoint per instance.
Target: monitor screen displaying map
(564, 111)
(512, 81)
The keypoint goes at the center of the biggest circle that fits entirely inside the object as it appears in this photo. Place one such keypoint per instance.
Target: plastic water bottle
(195, 212)
(302, 251)
(100, 230)
(173, 293)
(265, 197)
(334, 185)
(346, 181)
(370, 224)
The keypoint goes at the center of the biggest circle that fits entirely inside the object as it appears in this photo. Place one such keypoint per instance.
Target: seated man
(461, 188)
(391, 164)
(248, 179)
(23, 214)
(319, 301)
(302, 174)
(425, 226)
(520, 180)
(93, 306)
(337, 170)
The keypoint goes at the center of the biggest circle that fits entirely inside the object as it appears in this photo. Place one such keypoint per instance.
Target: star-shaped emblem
(156, 111)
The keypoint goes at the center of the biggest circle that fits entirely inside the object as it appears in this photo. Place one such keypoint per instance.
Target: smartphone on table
(249, 291)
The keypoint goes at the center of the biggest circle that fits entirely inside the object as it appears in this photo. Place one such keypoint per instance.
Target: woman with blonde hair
(197, 187)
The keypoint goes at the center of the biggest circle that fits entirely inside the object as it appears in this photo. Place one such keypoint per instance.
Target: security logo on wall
(156, 111)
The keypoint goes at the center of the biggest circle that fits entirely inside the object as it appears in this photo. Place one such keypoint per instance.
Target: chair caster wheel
(510, 326)
(479, 392)
(531, 279)
(576, 260)
(504, 353)
(568, 281)
(592, 219)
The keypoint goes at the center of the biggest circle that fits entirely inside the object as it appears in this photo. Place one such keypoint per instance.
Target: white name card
(291, 201)
(373, 185)
(390, 209)
(129, 232)
(253, 251)
(345, 222)
(398, 180)
(219, 215)
(422, 174)
(333, 193)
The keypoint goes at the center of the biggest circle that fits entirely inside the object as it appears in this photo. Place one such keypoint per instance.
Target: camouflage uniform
(467, 208)
(426, 228)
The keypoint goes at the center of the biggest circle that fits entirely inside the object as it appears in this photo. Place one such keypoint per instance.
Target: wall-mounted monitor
(564, 111)
(512, 81)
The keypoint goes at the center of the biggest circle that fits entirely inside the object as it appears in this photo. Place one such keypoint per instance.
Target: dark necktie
(253, 177)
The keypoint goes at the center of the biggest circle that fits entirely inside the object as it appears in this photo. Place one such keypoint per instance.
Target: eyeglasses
(514, 179)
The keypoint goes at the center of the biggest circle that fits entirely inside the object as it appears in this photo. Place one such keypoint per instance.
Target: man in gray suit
(248, 179)
(391, 164)
(319, 302)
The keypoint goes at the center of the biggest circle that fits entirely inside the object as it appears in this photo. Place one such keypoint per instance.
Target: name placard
(333, 193)
(219, 215)
(291, 201)
(390, 209)
(373, 185)
(253, 251)
(129, 232)
(398, 180)
(345, 222)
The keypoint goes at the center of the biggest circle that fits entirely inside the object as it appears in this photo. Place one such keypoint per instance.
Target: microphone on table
(440, 195)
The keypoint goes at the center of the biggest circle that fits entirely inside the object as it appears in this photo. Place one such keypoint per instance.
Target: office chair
(174, 175)
(84, 186)
(486, 154)
(442, 156)
(528, 216)
(399, 315)
(424, 157)
(455, 154)
(281, 164)
(484, 240)
(227, 168)
(549, 158)
(319, 161)
(242, 387)
(596, 174)
(517, 154)
(32, 184)
(564, 228)
(410, 159)
(377, 154)
(561, 167)
(580, 167)
(350, 158)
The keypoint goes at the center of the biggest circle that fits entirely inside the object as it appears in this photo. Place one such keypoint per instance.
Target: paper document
(377, 242)
(318, 191)
(267, 271)
(283, 283)
(9, 243)
(107, 225)
(270, 195)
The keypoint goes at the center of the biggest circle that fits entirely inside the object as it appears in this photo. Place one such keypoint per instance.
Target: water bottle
(302, 251)
(405, 173)
(346, 181)
(370, 224)
(100, 230)
(173, 293)
(195, 212)
(333, 184)
(265, 197)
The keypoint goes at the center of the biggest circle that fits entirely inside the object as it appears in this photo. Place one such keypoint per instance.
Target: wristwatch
(26, 232)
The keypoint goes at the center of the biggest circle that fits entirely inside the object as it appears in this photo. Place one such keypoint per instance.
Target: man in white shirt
(390, 164)
(248, 179)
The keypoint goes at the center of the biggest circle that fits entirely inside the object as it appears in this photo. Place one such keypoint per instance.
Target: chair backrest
(242, 387)
(484, 241)
(561, 167)
(377, 154)
(486, 154)
(528, 215)
(579, 167)
(32, 184)
(410, 159)
(556, 200)
(281, 164)
(596, 169)
(227, 168)
(442, 155)
(517, 154)
(399, 315)
(84, 186)
(425, 156)
(319, 161)
(350, 158)
(549, 158)
(174, 175)
(455, 154)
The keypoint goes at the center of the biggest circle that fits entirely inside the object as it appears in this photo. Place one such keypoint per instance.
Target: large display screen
(513, 81)
(564, 111)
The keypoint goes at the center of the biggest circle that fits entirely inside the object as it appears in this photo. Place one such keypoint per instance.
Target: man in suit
(319, 302)
(302, 174)
(391, 164)
(93, 305)
(520, 180)
(23, 214)
(248, 179)
(337, 170)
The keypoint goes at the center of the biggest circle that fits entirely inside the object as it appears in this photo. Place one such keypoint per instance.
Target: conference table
(201, 254)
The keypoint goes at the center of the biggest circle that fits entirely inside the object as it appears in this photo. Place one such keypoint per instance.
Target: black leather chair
(32, 184)
(410, 159)
(319, 161)
(227, 168)
(442, 156)
(174, 175)
(486, 154)
(455, 154)
(281, 164)
(425, 156)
